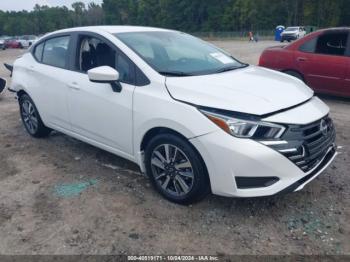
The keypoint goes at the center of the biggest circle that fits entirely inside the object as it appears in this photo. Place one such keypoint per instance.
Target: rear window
(56, 51)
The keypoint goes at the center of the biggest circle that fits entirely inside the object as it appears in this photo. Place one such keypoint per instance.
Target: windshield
(178, 54)
(292, 29)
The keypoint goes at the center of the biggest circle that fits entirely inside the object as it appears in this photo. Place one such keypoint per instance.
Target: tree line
(185, 15)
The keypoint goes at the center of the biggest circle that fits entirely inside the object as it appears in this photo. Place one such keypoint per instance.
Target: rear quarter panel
(24, 79)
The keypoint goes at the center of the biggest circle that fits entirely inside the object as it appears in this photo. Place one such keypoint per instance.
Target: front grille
(308, 144)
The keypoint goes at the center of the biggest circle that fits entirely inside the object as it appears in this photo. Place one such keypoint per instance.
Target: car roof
(335, 29)
(113, 29)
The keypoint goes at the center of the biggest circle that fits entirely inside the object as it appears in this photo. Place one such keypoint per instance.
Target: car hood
(253, 90)
(289, 32)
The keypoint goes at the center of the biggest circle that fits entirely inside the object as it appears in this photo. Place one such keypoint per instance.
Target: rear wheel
(31, 118)
(176, 169)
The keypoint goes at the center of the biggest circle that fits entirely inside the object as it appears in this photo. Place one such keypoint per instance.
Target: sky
(18, 5)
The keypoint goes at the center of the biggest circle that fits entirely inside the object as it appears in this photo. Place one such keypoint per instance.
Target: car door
(323, 63)
(47, 80)
(97, 112)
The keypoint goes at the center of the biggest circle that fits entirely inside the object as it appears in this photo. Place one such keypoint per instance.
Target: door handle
(302, 59)
(74, 86)
(31, 69)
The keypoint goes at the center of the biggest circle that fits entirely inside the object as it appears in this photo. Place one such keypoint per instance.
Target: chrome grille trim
(308, 144)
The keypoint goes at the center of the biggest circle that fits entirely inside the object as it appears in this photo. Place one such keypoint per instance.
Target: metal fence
(236, 35)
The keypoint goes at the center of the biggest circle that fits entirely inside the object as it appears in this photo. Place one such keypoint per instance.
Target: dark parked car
(321, 59)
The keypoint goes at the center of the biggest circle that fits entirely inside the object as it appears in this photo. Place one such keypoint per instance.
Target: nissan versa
(194, 118)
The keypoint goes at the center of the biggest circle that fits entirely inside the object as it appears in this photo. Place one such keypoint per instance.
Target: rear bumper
(11, 90)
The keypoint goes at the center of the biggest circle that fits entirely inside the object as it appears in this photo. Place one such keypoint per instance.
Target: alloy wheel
(172, 170)
(30, 117)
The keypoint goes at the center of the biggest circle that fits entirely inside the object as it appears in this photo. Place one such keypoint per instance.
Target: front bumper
(289, 37)
(247, 168)
(228, 158)
(325, 162)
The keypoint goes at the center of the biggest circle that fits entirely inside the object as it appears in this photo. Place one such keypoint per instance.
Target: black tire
(29, 112)
(198, 184)
(295, 74)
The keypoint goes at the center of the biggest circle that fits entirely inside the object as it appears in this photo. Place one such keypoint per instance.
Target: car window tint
(125, 69)
(332, 44)
(38, 52)
(309, 46)
(56, 51)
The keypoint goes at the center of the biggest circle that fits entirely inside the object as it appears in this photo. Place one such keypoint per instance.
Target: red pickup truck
(320, 59)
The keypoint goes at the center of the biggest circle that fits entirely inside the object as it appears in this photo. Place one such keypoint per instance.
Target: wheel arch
(156, 131)
(151, 133)
(22, 92)
(295, 71)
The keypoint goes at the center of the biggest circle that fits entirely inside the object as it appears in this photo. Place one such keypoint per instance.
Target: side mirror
(105, 74)
(2, 84)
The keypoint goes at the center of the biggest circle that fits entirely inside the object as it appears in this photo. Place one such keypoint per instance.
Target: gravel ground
(61, 196)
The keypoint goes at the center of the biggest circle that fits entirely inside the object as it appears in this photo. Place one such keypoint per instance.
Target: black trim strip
(286, 109)
(255, 182)
(314, 173)
(238, 114)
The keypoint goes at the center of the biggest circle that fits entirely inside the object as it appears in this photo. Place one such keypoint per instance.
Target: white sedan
(194, 118)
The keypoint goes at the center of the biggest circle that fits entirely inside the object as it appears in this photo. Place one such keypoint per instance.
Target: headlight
(245, 128)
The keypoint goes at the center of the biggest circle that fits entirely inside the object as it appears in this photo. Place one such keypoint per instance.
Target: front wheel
(176, 170)
(31, 118)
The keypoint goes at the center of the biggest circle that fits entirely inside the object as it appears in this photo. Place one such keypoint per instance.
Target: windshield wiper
(174, 73)
(230, 68)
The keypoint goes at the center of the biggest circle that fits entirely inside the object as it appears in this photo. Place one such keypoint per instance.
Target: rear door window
(56, 51)
(334, 43)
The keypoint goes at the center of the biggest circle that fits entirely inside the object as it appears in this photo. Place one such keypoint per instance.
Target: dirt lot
(61, 196)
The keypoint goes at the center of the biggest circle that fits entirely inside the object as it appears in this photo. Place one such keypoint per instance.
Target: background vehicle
(13, 43)
(321, 60)
(2, 42)
(27, 40)
(191, 116)
(293, 33)
(2, 84)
